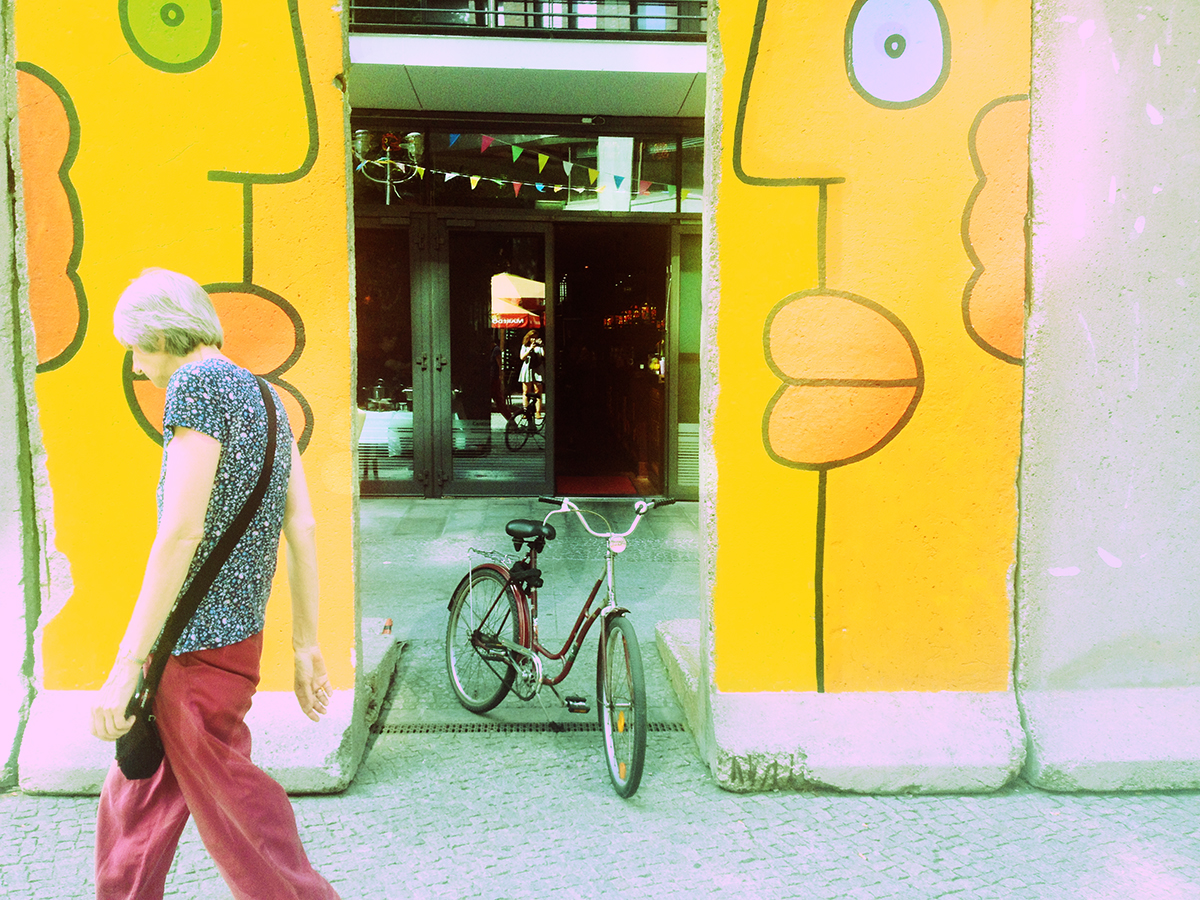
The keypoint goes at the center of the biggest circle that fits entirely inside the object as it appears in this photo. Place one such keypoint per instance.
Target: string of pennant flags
(597, 180)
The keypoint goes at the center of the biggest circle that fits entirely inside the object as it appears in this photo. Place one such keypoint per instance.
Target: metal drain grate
(509, 727)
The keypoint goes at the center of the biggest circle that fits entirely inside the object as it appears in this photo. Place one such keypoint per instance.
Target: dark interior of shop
(609, 319)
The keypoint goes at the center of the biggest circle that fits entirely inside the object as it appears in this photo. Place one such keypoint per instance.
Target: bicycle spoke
(622, 702)
(477, 660)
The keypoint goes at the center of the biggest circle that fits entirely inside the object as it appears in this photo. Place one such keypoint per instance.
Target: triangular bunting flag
(542, 160)
(450, 175)
(474, 182)
(567, 167)
(593, 175)
(684, 195)
(558, 188)
(645, 187)
(453, 138)
(517, 151)
(421, 172)
(485, 142)
(516, 188)
(540, 186)
(618, 181)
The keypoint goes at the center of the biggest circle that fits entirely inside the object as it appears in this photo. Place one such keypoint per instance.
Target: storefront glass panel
(497, 304)
(385, 384)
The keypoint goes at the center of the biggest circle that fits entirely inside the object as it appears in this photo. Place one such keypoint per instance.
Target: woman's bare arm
(192, 458)
(299, 530)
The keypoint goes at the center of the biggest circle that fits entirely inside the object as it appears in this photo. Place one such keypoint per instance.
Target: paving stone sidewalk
(508, 815)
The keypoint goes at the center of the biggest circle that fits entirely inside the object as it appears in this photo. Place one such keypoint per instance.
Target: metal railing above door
(658, 20)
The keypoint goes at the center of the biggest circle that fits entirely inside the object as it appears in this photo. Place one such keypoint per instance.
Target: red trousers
(244, 817)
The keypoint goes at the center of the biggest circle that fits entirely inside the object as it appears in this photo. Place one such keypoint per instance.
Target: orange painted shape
(995, 302)
(823, 426)
(45, 134)
(295, 412)
(259, 335)
(822, 336)
(152, 400)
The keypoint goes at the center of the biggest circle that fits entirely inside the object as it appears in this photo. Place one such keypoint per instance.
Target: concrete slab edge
(910, 742)
(678, 643)
(58, 754)
(1113, 739)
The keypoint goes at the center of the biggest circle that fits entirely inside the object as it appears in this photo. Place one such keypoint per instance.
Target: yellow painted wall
(161, 99)
(922, 245)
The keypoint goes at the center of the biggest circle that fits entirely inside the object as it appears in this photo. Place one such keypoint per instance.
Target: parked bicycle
(492, 643)
(520, 427)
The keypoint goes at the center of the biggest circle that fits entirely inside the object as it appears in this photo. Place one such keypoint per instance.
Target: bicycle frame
(527, 601)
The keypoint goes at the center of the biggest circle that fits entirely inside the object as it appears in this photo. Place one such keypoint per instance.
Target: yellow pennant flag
(474, 181)
(593, 175)
(542, 160)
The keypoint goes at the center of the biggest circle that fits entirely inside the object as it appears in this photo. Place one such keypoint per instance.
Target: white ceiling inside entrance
(512, 75)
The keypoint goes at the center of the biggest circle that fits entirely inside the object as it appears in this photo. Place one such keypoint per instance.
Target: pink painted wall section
(211, 141)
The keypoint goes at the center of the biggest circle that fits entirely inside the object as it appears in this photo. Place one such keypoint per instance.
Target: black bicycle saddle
(529, 530)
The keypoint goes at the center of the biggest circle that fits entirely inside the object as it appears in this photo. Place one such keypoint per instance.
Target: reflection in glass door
(500, 360)
(683, 364)
(385, 400)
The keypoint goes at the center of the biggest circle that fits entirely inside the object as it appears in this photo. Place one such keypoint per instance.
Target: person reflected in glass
(533, 362)
(496, 380)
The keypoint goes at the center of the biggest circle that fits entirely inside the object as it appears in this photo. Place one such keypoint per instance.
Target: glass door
(386, 403)
(492, 355)
(683, 364)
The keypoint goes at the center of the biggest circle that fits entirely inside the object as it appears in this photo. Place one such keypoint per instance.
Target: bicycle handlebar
(640, 508)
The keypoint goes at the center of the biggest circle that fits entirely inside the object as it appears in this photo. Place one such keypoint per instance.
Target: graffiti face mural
(884, 143)
(169, 134)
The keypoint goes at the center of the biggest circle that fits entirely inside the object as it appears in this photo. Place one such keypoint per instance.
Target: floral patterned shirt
(223, 400)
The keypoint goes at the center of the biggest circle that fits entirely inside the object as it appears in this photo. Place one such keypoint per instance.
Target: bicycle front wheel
(483, 609)
(516, 431)
(621, 698)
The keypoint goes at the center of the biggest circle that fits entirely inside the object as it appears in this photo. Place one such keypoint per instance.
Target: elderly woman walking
(214, 448)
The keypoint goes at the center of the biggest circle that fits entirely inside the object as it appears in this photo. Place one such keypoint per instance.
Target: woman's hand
(108, 712)
(313, 688)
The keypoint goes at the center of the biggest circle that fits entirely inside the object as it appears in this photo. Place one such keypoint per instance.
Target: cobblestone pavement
(437, 812)
(517, 815)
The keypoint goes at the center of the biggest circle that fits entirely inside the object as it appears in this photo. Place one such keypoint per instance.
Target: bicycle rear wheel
(516, 430)
(483, 609)
(621, 698)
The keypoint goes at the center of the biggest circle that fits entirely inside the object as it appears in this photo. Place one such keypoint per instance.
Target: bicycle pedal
(577, 704)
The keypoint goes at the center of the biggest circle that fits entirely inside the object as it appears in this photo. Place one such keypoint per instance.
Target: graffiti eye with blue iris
(897, 51)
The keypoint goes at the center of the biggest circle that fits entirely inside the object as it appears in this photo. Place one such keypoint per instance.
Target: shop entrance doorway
(445, 307)
(610, 341)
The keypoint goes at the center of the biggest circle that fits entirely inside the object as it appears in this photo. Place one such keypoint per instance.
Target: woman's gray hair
(163, 310)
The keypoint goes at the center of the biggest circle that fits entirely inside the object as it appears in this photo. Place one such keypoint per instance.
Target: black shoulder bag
(140, 750)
